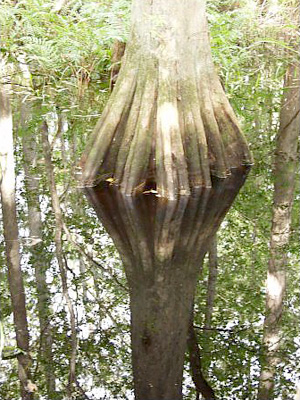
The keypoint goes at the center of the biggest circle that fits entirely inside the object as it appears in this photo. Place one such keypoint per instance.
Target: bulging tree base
(162, 243)
(168, 120)
(162, 167)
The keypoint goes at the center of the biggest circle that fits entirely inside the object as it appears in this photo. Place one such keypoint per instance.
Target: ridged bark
(168, 120)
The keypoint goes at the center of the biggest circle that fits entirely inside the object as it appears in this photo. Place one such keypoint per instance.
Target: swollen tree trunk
(162, 242)
(168, 119)
(284, 174)
(168, 131)
(12, 247)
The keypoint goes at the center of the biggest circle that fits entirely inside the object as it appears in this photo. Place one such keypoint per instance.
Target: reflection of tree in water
(162, 243)
(168, 129)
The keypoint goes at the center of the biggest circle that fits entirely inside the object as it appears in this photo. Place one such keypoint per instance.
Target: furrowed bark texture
(284, 173)
(11, 237)
(168, 119)
(162, 167)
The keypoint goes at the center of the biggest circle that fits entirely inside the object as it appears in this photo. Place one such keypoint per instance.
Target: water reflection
(162, 243)
(148, 229)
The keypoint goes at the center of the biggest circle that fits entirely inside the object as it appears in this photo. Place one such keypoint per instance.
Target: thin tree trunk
(199, 380)
(30, 151)
(30, 156)
(201, 384)
(59, 254)
(212, 282)
(284, 174)
(12, 247)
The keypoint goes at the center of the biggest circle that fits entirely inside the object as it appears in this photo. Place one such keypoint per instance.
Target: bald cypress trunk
(162, 167)
(162, 243)
(168, 119)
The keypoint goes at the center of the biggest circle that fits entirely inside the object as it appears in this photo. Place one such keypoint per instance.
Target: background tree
(11, 236)
(286, 157)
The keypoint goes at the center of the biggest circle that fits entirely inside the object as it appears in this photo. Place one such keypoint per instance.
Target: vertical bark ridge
(140, 244)
(129, 131)
(167, 123)
(138, 159)
(233, 138)
(217, 152)
(105, 130)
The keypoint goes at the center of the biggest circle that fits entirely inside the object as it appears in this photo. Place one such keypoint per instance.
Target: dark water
(162, 243)
(148, 228)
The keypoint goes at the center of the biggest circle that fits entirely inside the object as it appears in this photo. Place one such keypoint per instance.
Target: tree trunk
(284, 174)
(30, 156)
(60, 256)
(168, 120)
(12, 247)
(167, 132)
(30, 153)
(212, 282)
(201, 384)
